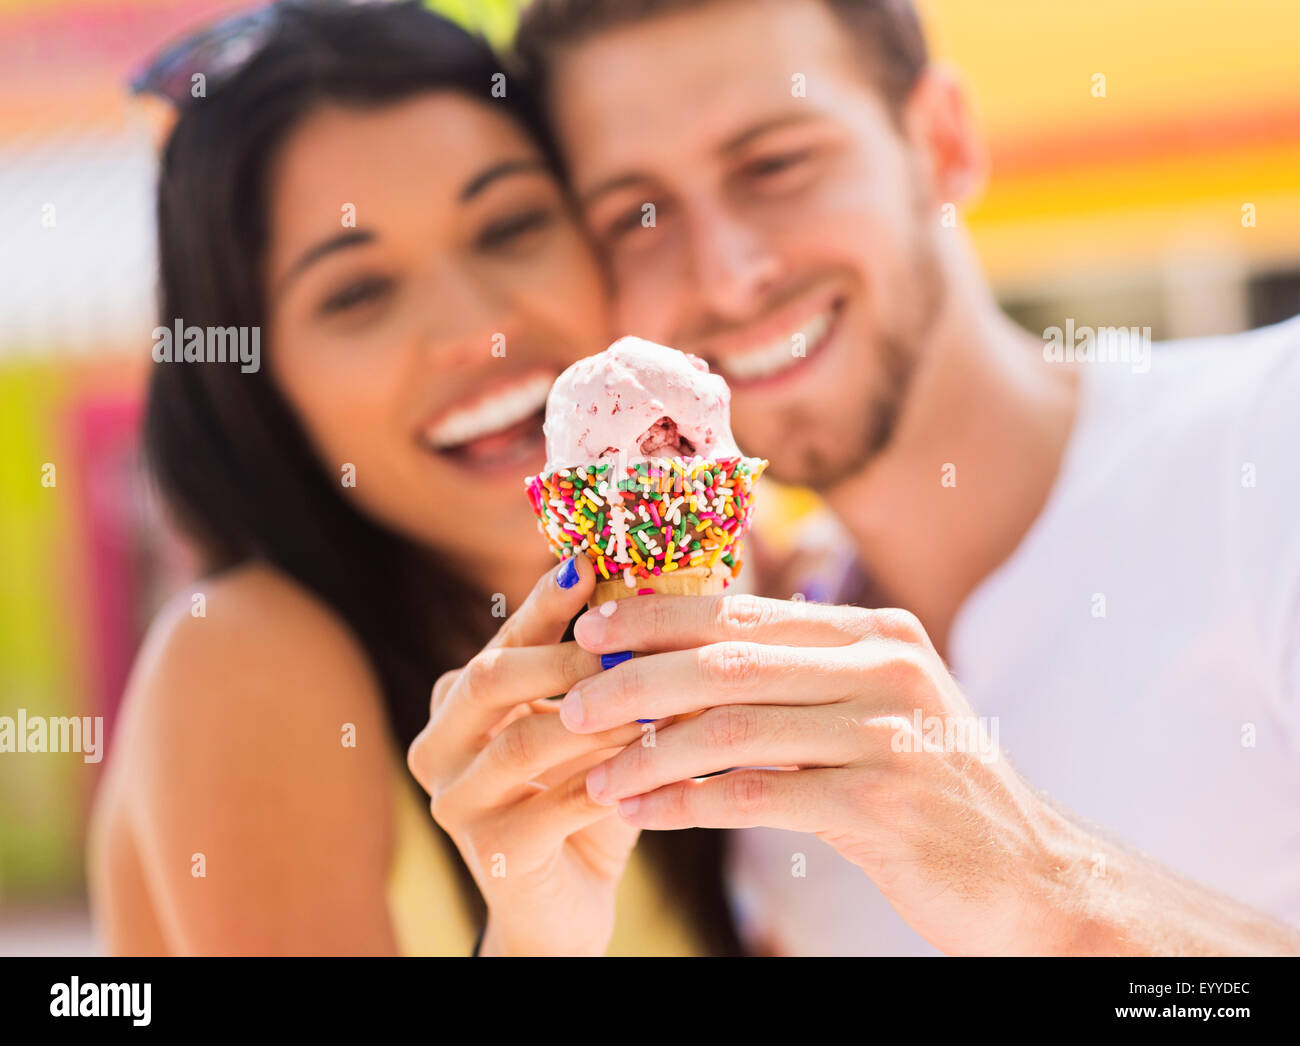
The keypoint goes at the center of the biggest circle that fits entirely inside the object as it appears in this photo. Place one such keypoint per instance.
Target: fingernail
(571, 711)
(568, 575)
(608, 607)
(596, 782)
(608, 661)
(629, 806)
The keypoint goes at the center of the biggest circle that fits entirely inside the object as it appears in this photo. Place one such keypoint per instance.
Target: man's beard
(900, 352)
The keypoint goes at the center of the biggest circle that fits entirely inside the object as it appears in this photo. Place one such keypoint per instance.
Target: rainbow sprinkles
(660, 516)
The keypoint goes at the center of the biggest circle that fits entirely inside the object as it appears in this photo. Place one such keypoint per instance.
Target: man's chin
(818, 468)
(815, 458)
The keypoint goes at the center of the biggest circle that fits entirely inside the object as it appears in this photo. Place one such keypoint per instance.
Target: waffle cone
(688, 581)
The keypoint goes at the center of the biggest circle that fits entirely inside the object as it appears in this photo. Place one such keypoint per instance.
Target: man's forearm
(1111, 901)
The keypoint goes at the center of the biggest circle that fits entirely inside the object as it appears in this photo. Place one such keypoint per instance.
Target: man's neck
(972, 462)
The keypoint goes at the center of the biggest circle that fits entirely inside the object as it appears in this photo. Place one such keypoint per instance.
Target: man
(1106, 556)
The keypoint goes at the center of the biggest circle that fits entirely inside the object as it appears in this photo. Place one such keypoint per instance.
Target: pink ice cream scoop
(639, 399)
(643, 476)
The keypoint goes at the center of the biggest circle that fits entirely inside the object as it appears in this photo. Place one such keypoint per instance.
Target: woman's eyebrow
(498, 171)
(348, 238)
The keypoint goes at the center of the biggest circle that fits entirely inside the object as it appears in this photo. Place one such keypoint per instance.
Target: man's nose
(734, 266)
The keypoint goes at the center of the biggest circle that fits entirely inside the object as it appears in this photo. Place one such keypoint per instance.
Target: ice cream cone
(643, 476)
(686, 581)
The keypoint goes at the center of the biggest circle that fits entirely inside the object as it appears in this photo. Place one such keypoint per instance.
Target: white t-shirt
(1171, 723)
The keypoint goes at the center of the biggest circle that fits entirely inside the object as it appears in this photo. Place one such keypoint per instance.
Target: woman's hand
(864, 739)
(508, 780)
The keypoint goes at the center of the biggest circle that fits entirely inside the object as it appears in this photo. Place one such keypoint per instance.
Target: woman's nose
(467, 319)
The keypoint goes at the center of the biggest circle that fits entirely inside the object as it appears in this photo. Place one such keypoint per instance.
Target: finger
(559, 774)
(682, 681)
(441, 688)
(538, 827)
(493, 683)
(506, 769)
(421, 761)
(578, 765)
(796, 800)
(738, 735)
(545, 615)
(654, 623)
(567, 809)
(587, 760)
(517, 712)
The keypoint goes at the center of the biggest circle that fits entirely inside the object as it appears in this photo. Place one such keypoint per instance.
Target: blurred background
(1145, 172)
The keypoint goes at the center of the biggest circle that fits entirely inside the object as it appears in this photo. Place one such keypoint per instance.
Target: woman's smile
(496, 429)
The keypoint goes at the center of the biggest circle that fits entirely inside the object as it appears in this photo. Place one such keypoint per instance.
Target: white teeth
(780, 354)
(509, 406)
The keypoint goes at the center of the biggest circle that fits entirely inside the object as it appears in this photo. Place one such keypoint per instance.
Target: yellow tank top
(429, 919)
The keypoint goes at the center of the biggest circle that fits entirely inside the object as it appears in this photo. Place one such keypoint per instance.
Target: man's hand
(866, 740)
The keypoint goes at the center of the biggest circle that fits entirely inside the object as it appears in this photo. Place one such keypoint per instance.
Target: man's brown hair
(888, 31)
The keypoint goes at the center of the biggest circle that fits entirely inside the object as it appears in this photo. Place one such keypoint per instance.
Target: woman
(348, 181)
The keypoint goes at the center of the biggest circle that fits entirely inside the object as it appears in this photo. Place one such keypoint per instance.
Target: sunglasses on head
(219, 51)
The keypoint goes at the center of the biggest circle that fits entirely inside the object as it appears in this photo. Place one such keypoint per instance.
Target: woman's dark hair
(229, 456)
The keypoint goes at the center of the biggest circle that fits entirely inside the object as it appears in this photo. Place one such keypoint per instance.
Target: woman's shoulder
(254, 610)
(254, 629)
(253, 739)
(252, 661)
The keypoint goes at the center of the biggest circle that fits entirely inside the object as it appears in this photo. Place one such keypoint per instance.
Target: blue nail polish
(568, 574)
(608, 661)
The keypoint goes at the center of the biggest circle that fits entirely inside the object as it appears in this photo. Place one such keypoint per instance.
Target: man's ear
(938, 123)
